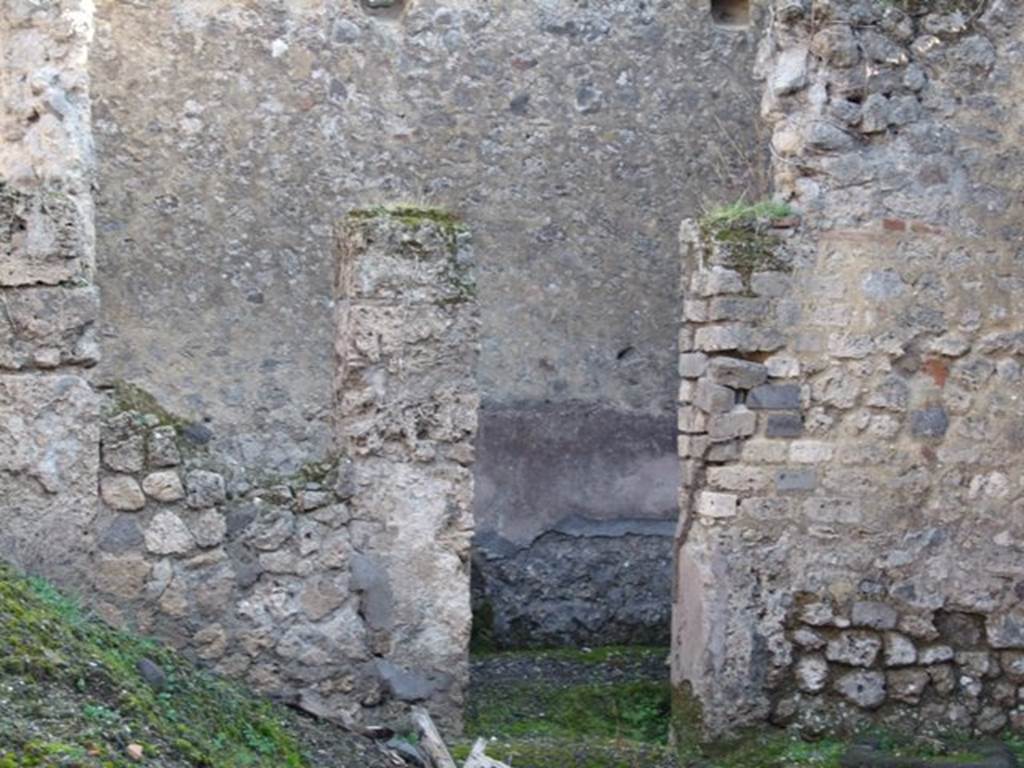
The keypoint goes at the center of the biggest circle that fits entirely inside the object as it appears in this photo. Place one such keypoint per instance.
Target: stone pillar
(48, 303)
(407, 413)
(850, 552)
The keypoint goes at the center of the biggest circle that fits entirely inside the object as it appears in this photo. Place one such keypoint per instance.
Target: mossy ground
(71, 695)
(559, 713)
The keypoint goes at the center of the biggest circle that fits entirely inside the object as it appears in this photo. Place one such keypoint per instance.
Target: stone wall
(566, 134)
(850, 413)
(48, 302)
(344, 587)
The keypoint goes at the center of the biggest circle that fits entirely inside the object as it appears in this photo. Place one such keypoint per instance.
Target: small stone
(313, 499)
(935, 654)
(855, 648)
(736, 373)
(943, 678)
(817, 614)
(168, 535)
(211, 642)
(122, 492)
(899, 650)
(794, 480)
(1013, 665)
(205, 489)
(692, 365)
(163, 447)
(717, 505)
(1006, 630)
(713, 398)
(124, 455)
(977, 663)
(209, 528)
(164, 486)
(991, 720)
(811, 674)
(808, 639)
(778, 397)
(784, 425)
(930, 422)
(875, 114)
(907, 685)
(152, 673)
(122, 576)
(790, 73)
(920, 627)
(865, 689)
(728, 426)
(134, 751)
(874, 615)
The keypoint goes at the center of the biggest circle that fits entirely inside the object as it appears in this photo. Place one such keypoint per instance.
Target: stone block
(738, 478)
(900, 650)
(930, 422)
(717, 505)
(771, 284)
(717, 280)
(122, 492)
(810, 452)
(874, 615)
(758, 451)
(792, 480)
(935, 654)
(782, 366)
(692, 365)
(692, 420)
(866, 689)
(736, 373)
(1006, 630)
(811, 674)
(714, 398)
(907, 685)
(776, 397)
(833, 510)
(855, 648)
(742, 308)
(167, 534)
(692, 446)
(204, 489)
(47, 327)
(164, 486)
(45, 234)
(162, 448)
(728, 426)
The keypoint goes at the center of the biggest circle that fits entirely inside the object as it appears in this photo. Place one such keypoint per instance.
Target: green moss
(635, 711)
(920, 7)
(458, 275)
(554, 753)
(610, 655)
(686, 723)
(75, 692)
(132, 397)
(743, 233)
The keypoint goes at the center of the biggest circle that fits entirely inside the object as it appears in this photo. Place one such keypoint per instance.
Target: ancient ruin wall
(566, 134)
(48, 302)
(344, 587)
(851, 417)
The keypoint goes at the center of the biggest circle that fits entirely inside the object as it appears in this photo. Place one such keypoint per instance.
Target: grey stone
(1006, 630)
(122, 492)
(907, 685)
(164, 486)
(874, 615)
(900, 650)
(713, 398)
(728, 426)
(863, 688)
(409, 685)
(793, 480)
(736, 373)
(121, 535)
(692, 365)
(811, 674)
(167, 534)
(209, 528)
(875, 114)
(779, 397)
(930, 422)
(204, 489)
(854, 648)
(784, 425)
(790, 73)
(271, 529)
(152, 673)
(935, 654)
(162, 448)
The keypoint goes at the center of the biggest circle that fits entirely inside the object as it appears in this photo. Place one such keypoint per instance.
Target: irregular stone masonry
(344, 589)
(850, 417)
